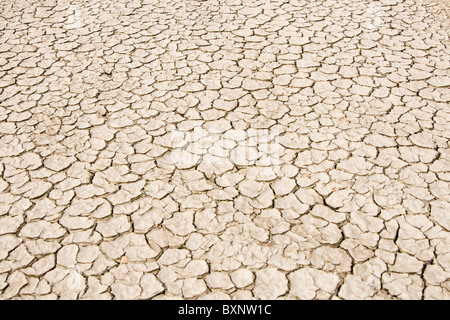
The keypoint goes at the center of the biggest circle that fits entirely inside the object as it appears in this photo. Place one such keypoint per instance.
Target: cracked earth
(224, 149)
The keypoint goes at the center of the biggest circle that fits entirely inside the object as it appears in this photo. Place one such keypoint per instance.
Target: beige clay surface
(224, 149)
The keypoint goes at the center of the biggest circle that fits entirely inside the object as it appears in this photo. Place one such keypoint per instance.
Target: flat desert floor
(224, 149)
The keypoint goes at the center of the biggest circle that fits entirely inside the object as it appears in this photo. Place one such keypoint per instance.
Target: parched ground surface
(224, 149)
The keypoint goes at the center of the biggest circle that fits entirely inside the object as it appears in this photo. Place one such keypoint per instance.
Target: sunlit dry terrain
(224, 149)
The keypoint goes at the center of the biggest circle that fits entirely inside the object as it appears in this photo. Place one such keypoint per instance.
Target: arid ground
(224, 149)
